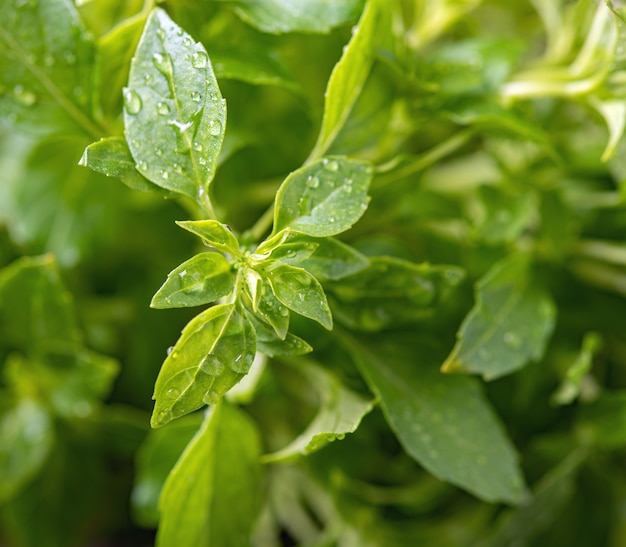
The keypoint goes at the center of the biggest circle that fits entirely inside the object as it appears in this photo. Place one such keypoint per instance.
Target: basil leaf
(300, 292)
(214, 352)
(324, 198)
(174, 114)
(199, 280)
(213, 233)
(212, 495)
(509, 325)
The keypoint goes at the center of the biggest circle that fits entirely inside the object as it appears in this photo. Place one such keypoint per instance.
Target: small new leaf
(174, 114)
(508, 326)
(214, 352)
(301, 292)
(213, 233)
(324, 198)
(199, 280)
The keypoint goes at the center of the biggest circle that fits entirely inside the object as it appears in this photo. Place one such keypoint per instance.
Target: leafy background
(472, 390)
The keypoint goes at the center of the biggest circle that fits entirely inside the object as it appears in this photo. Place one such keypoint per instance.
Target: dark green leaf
(47, 59)
(212, 495)
(340, 412)
(391, 291)
(26, 437)
(280, 16)
(112, 158)
(174, 114)
(155, 460)
(301, 292)
(444, 422)
(213, 233)
(214, 352)
(509, 325)
(324, 198)
(199, 280)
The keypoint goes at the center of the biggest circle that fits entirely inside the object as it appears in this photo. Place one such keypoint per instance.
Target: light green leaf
(46, 59)
(26, 436)
(155, 460)
(213, 233)
(281, 16)
(214, 352)
(340, 412)
(350, 73)
(36, 312)
(111, 157)
(391, 291)
(443, 422)
(509, 325)
(174, 114)
(199, 280)
(273, 313)
(324, 198)
(212, 495)
(300, 292)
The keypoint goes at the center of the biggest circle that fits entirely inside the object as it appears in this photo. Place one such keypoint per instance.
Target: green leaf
(26, 437)
(509, 325)
(174, 114)
(112, 158)
(47, 60)
(443, 422)
(213, 233)
(334, 260)
(212, 495)
(36, 312)
(214, 352)
(324, 198)
(273, 313)
(391, 291)
(300, 292)
(155, 460)
(281, 16)
(199, 280)
(351, 72)
(340, 412)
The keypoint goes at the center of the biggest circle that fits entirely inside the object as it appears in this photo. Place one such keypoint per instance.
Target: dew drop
(160, 33)
(212, 397)
(24, 96)
(142, 165)
(158, 152)
(147, 78)
(332, 165)
(313, 182)
(182, 273)
(177, 168)
(187, 41)
(163, 108)
(512, 340)
(199, 59)
(164, 174)
(132, 101)
(196, 97)
(341, 436)
(212, 365)
(215, 128)
(331, 219)
(161, 62)
(197, 146)
(202, 161)
(173, 392)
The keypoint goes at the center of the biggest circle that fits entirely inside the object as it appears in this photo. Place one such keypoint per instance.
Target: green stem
(261, 226)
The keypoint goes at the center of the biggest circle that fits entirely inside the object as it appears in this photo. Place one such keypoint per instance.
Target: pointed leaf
(509, 325)
(199, 280)
(340, 412)
(324, 198)
(301, 292)
(174, 114)
(212, 495)
(334, 260)
(214, 352)
(213, 233)
(444, 422)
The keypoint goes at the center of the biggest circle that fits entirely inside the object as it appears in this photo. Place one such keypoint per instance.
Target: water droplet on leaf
(212, 365)
(195, 96)
(199, 59)
(24, 96)
(313, 182)
(132, 101)
(163, 108)
(215, 127)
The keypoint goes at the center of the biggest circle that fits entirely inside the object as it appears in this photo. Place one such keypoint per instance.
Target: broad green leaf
(350, 73)
(47, 60)
(213, 233)
(199, 280)
(155, 460)
(111, 157)
(334, 260)
(281, 16)
(444, 422)
(26, 437)
(300, 292)
(324, 198)
(577, 372)
(391, 291)
(212, 495)
(340, 412)
(214, 352)
(36, 312)
(174, 114)
(509, 325)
